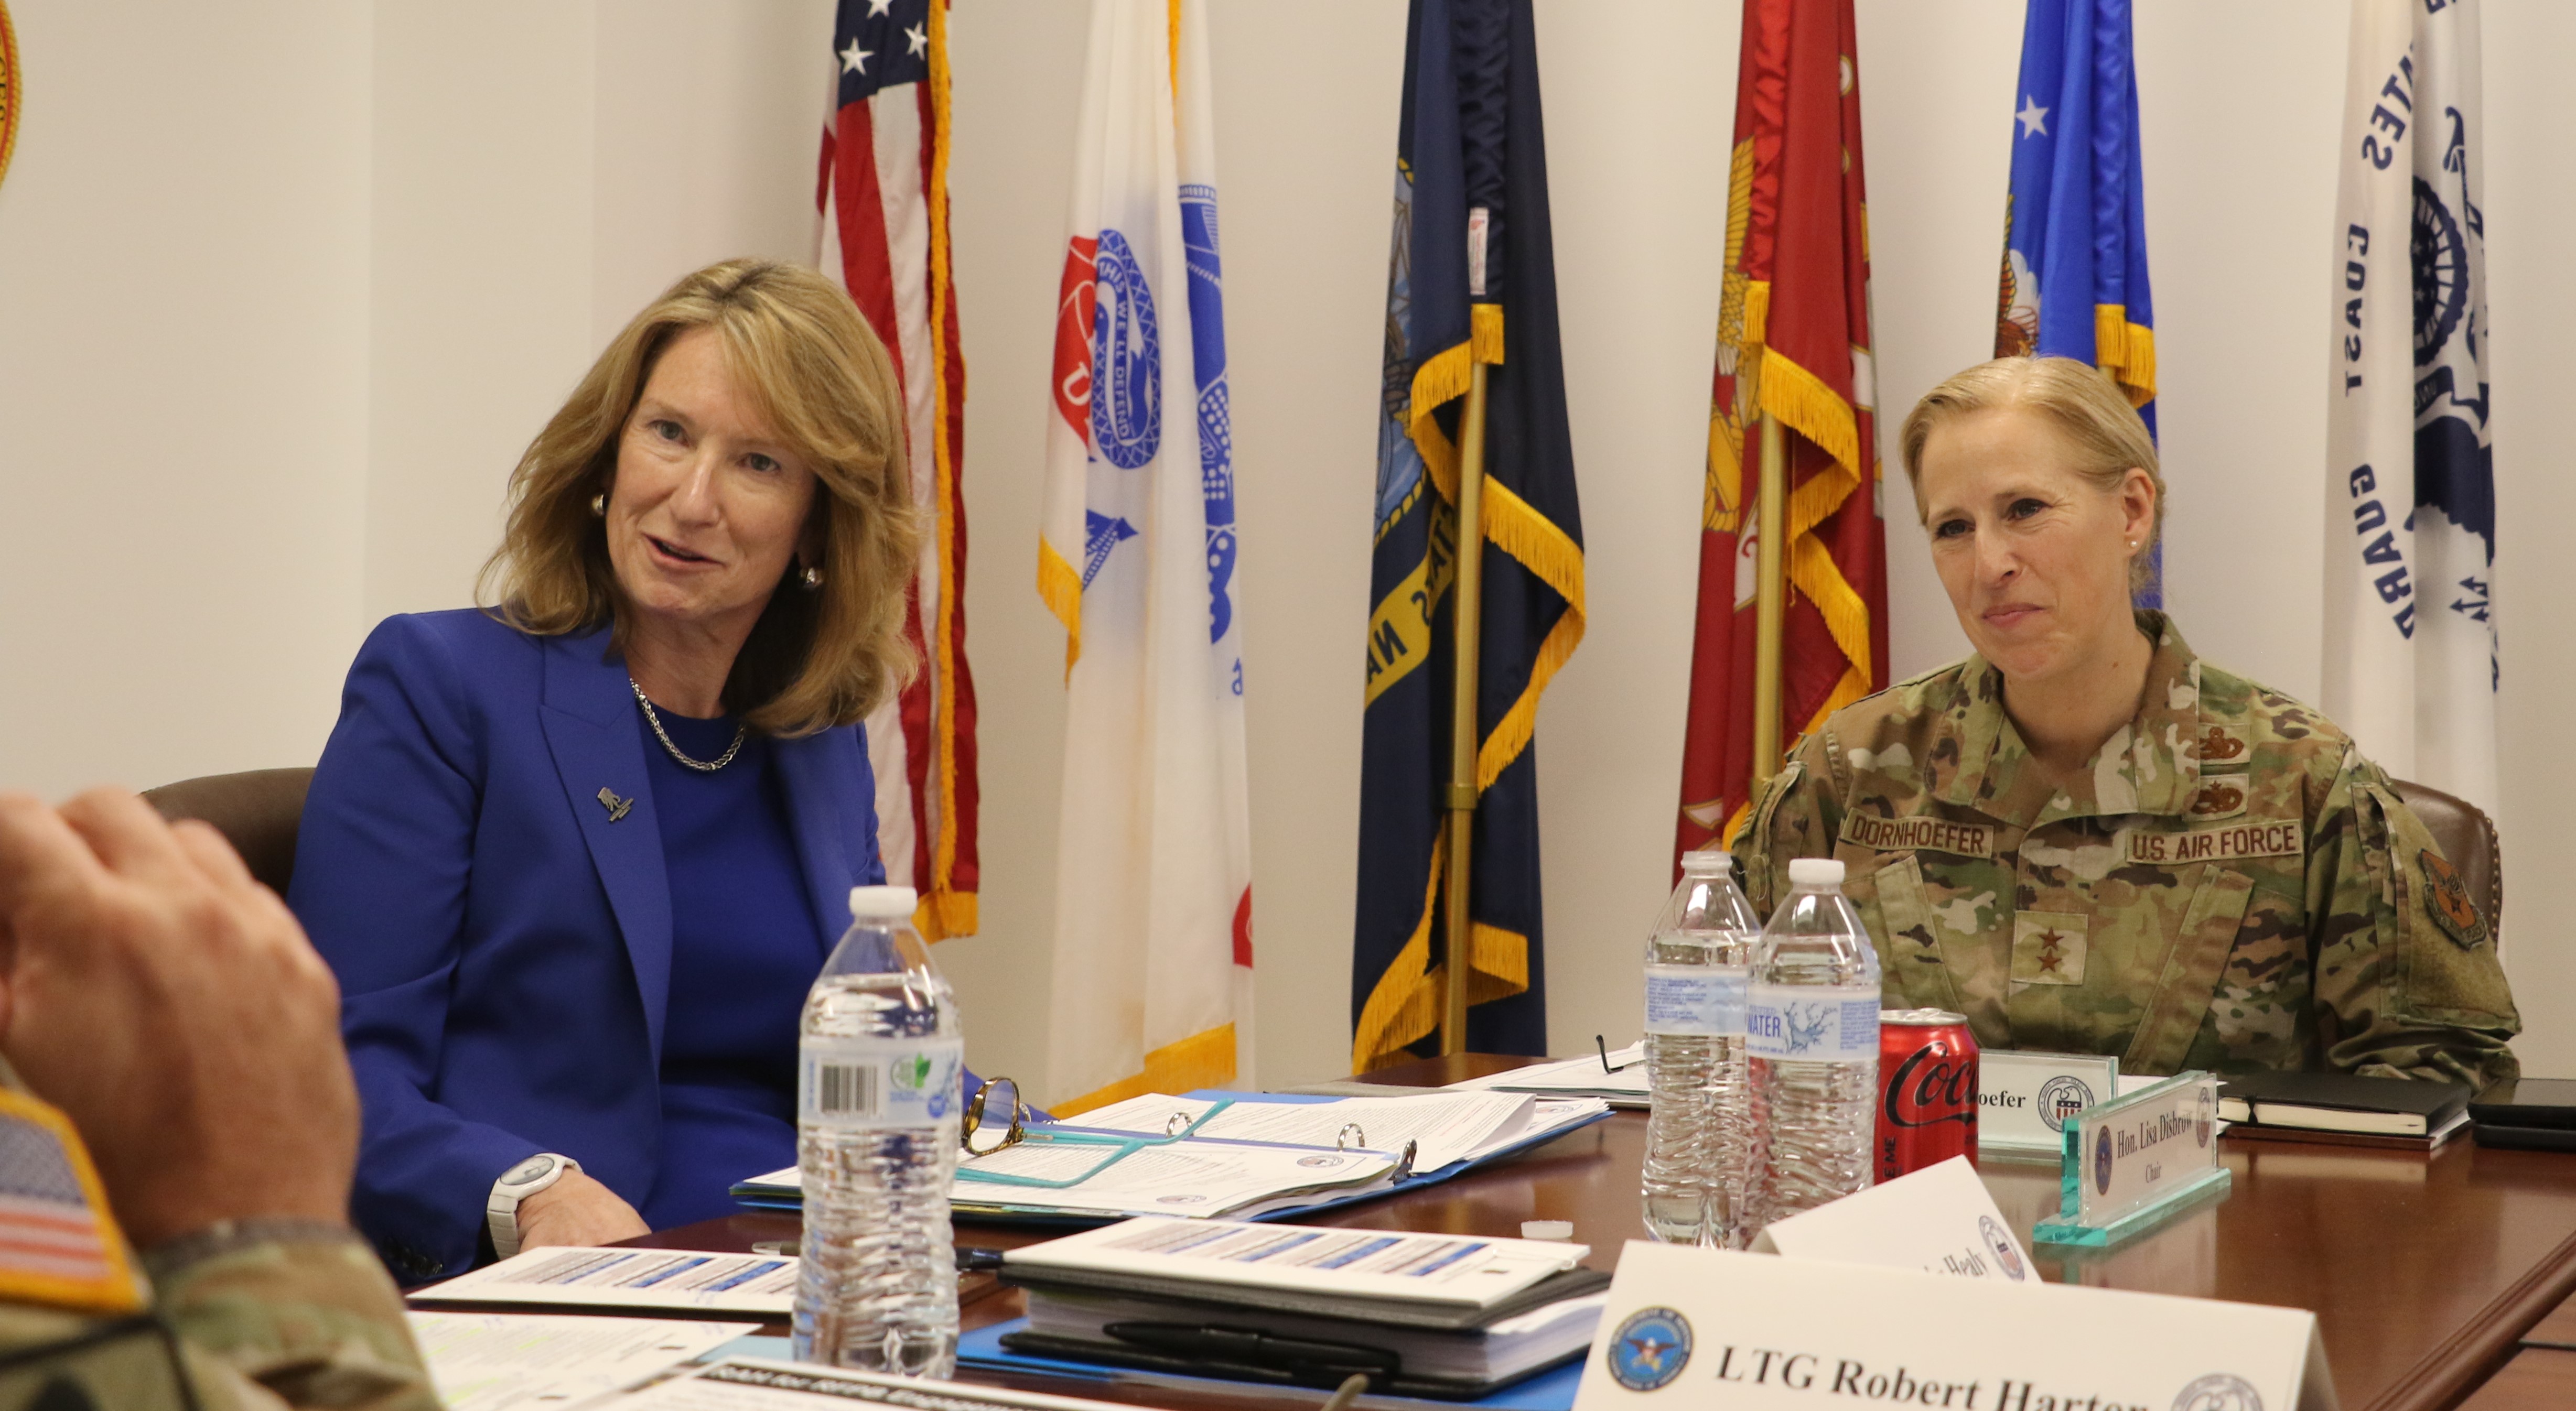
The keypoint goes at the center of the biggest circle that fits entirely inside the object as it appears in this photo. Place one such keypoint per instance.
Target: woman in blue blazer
(576, 858)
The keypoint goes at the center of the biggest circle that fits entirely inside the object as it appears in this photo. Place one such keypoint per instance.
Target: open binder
(1233, 1155)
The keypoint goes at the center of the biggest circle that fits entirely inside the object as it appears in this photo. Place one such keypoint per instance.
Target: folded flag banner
(2075, 225)
(2411, 663)
(1470, 201)
(1136, 556)
(1793, 342)
(884, 233)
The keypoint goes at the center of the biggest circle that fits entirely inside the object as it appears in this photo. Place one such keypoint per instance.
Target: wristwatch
(538, 1172)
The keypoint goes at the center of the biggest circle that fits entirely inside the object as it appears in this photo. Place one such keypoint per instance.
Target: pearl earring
(599, 506)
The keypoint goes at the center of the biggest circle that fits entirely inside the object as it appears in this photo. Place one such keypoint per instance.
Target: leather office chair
(257, 811)
(2468, 839)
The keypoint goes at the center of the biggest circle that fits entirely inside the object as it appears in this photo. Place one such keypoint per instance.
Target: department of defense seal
(2000, 1245)
(2062, 1097)
(2204, 1122)
(2219, 1391)
(2102, 1163)
(1652, 1347)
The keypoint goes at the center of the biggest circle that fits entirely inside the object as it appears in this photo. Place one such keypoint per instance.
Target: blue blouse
(745, 947)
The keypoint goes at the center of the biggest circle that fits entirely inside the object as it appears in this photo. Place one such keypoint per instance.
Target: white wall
(366, 266)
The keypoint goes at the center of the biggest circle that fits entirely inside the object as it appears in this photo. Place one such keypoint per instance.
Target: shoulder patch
(1878, 834)
(58, 1246)
(2226, 843)
(2446, 900)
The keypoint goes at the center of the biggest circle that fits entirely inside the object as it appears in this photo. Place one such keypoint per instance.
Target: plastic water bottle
(1812, 1031)
(1699, 1139)
(877, 1117)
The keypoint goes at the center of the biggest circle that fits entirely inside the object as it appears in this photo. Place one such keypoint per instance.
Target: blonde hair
(2090, 414)
(821, 378)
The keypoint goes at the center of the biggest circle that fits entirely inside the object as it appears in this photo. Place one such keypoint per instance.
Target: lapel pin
(616, 806)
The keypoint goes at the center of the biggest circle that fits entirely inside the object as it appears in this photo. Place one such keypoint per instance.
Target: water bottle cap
(1708, 860)
(882, 903)
(1815, 872)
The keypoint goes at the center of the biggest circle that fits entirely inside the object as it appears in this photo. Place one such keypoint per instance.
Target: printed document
(681, 1279)
(511, 1361)
(1379, 1264)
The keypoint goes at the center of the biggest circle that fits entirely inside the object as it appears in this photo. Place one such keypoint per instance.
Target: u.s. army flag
(2410, 651)
(1153, 915)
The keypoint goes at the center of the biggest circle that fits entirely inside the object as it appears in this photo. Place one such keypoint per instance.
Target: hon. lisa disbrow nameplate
(1687, 1328)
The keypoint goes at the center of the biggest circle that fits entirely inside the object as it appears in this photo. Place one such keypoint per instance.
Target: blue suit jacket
(503, 944)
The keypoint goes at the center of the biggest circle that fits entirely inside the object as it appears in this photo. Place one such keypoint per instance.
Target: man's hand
(577, 1210)
(172, 1007)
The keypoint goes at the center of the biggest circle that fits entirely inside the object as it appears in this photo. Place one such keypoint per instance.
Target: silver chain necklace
(700, 765)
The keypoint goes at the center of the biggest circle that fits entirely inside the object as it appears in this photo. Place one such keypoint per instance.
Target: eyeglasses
(1006, 1093)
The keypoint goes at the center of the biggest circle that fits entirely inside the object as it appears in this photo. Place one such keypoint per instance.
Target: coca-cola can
(1927, 1078)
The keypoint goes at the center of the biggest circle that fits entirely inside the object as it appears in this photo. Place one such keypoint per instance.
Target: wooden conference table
(2427, 1273)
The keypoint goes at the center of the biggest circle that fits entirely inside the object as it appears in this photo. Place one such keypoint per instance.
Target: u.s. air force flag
(2075, 226)
(2410, 648)
(1153, 918)
(1470, 198)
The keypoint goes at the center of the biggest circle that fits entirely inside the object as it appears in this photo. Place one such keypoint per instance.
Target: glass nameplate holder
(2135, 1161)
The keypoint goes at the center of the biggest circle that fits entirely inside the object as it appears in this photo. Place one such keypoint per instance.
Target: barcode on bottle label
(867, 1083)
(1812, 1023)
(1698, 1001)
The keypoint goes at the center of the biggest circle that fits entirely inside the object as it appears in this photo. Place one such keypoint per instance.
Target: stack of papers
(507, 1361)
(1234, 1154)
(1575, 1077)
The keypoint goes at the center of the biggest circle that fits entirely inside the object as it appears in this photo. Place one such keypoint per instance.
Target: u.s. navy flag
(1153, 915)
(884, 205)
(2075, 226)
(1793, 341)
(2410, 649)
(1470, 193)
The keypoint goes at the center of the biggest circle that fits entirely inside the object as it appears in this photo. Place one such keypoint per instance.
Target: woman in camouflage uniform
(2088, 840)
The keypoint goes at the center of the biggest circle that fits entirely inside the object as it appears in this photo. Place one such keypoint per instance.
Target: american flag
(54, 1244)
(883, 198)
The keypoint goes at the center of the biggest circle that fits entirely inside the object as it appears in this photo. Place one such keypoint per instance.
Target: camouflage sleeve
(2407, 979)
(1794, 816)
(307, 1316)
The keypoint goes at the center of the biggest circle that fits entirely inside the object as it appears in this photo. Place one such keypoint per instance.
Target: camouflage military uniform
(2228, 885)
(261, 1316)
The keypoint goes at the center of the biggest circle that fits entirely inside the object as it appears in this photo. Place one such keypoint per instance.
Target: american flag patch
(57, 1245)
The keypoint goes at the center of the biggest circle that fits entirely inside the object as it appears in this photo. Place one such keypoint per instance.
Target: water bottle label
(1702, 1001)
(866, 1084)
(1812, 1023)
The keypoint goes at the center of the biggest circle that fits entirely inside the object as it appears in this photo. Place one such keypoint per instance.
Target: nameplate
(1690, 1328)
(2227, 842)
(1940, 1220)
(2024, 1099)
(2133, 1159)
(1878, 834)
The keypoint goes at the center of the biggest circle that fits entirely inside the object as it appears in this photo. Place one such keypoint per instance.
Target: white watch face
(532, 1169)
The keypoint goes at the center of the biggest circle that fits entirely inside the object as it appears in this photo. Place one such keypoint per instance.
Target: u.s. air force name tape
(2226, 843)
(1878, 834)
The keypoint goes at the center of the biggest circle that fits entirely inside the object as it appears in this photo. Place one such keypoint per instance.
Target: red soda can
(1927, 1075)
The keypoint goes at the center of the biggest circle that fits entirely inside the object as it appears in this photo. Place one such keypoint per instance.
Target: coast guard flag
(883, 198)
(2075, 225)
(1793, 341)
(1153, 914)
(1472, 276)
(2410, 650)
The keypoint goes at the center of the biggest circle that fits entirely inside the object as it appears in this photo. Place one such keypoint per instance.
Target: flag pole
(1468, 617)
(1770, 601)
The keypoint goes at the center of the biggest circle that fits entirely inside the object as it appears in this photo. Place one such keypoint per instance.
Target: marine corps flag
(2075, 224)
(1472, 276)
(2410, 649)
(884, 235)
(1793, 343)
(1136, 556)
